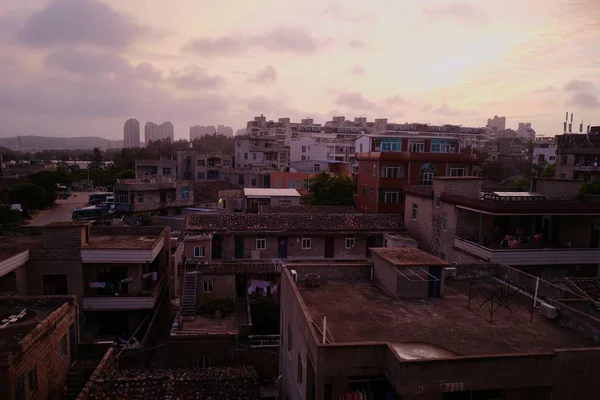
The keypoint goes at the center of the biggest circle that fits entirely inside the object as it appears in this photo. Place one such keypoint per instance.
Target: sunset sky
(82, 67)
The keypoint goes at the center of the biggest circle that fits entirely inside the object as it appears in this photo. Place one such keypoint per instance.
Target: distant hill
(36, 143)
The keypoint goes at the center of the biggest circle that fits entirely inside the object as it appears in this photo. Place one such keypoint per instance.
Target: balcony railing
(587, 168)
(128, 301)
(529, 256)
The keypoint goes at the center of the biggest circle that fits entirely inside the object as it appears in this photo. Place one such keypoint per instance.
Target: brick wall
(41, 349)
(55, 262)
(64, 237)
(463, 186)
(223, 288)
(419, 228)
(557, 189)
(189, 250)
(106, 366)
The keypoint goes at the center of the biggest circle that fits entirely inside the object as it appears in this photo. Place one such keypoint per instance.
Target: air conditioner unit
(450, 272)
(294, 275)
(548, 311)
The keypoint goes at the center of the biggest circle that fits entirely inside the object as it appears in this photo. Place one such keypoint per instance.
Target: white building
(525, 132)
(307, 148)
(544, 150)
(260, 150)
(131, 133)
(167, 131)
(151, 132)
(496, 124)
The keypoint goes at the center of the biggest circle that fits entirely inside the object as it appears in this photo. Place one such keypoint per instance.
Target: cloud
(278, 40)
(339, 12)
(584, 100)
(146, 71)
(394, 100)
(195, 78)
(72, 22)
(358, 70)
(446, 111)
(261, 104)
(355, 101)
(576, 85)
(357, 44)
(264, 77)
(86, 62)
(546, 89)
(458, 10)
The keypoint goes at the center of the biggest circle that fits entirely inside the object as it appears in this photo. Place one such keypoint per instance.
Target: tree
(492, 171)
(590, 188)
(96, 158)
(31, 196)
(549, 171)
(332, 190)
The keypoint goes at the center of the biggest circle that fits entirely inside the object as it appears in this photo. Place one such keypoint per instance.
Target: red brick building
(400, 162)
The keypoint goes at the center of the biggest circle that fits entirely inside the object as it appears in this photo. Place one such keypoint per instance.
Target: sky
(83, 67)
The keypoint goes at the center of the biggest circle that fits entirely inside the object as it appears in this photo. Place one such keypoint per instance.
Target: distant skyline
(83, 67)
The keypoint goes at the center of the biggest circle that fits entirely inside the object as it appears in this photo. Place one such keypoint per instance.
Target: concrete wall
(41, 349)
(557, 189)
(463, 186)
(189, 250)
(223, 288)
(384, 273)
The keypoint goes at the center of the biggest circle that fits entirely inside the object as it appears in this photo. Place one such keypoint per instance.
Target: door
(241, 287)
(282, 247)
(239, 246)
(434, 286)
(216, 248)
(329, 247)
(73, 342)
(371, 242)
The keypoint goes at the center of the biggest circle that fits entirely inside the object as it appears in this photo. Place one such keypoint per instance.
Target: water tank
(312, 280)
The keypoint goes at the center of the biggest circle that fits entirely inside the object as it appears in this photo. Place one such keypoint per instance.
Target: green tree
(492, 171)
(549, 171)
(330, 189)
(96, 158)
(590, 188)
(31, 196)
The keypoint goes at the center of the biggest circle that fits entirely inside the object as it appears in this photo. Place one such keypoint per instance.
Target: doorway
(239, 246)
(329, 247)
(282, 247)
(241, 286)
(216, 248)
(371, 242)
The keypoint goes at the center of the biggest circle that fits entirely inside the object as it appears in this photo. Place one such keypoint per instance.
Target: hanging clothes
(97, 285)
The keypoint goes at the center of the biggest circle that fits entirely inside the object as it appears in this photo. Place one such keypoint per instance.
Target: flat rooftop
(13, 245)
(407, 256)
(359, 311)
(14, 332)
(123, 241)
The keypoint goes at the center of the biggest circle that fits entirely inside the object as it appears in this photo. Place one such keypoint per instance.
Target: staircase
(75, 381)
(188, 295)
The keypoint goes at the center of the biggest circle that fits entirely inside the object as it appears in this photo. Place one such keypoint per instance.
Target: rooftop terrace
(359, 311)
(123, 241)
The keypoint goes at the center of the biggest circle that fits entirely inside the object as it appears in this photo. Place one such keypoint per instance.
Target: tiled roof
(267, 209)
(306, 223)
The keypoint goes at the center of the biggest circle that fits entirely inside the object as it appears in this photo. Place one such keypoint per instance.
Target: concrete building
(547, 232)
(167, 131)
(219, 194)
(197, 131)
(38, 344)
(131, 133)
(197, 167)
(578, 156)
(397, 163)
(544, 151)
(163, 194)
(260, 150)
(225, 130)
(496, 124)
(145, 169)
(291, 236)
(351, 333)
(272, 197)
(317, 166)
(525, 132)
(151, 132)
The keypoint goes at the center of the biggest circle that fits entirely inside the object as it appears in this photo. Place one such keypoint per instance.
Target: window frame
(261, 242)
(32, 380)
(444, 222)
(350, 241)
(207, 286)
(415, 211)
(206, 362)
(199, 251)
(306, 242)
(64, 348)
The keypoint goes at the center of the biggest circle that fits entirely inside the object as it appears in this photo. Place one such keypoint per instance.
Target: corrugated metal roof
(252, 192)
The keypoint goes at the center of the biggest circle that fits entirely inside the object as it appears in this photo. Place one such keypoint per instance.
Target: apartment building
(197, 167)
(163, 194)
(414, 344)
(166, 167)
(398, 162)
(131, 133)
(578, 156)
(38, 344)
(547, 232)
(260, 150)
(544, 151)
(291, 236)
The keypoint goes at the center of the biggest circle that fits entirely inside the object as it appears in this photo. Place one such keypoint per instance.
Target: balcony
(587, 168)
(124, 301)
(529, 256)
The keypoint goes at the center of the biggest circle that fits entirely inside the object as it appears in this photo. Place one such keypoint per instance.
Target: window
(374, 170)
(166, 171)
(200, 163)
(303, 158)
(55, 284)
(392, 171)
(437, 201)
(364, 191)
(426, 174)
(203, 361)
(245, 156)
(299, 368)
(185, 193)
(350, 241)
(278, 183)
(391, 196)
(200, 175)
(306, 242)
(360, 146)
(391, 145)
(261, 243)
(199, 251)
(444, 146)
(140, 196)
(552, 158)
(304, 149)
(32, 379)
(239, 144)
(290, 184)
(241, 180)
(563, 160)
(306, 183)
(415, 211)
(297, 184)
(373, 194)
(207, 286)
(457, 170)
(63, 346)
(444, 222)
(254, 156)
(253, 182)
(317, 167)
(416, 147)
